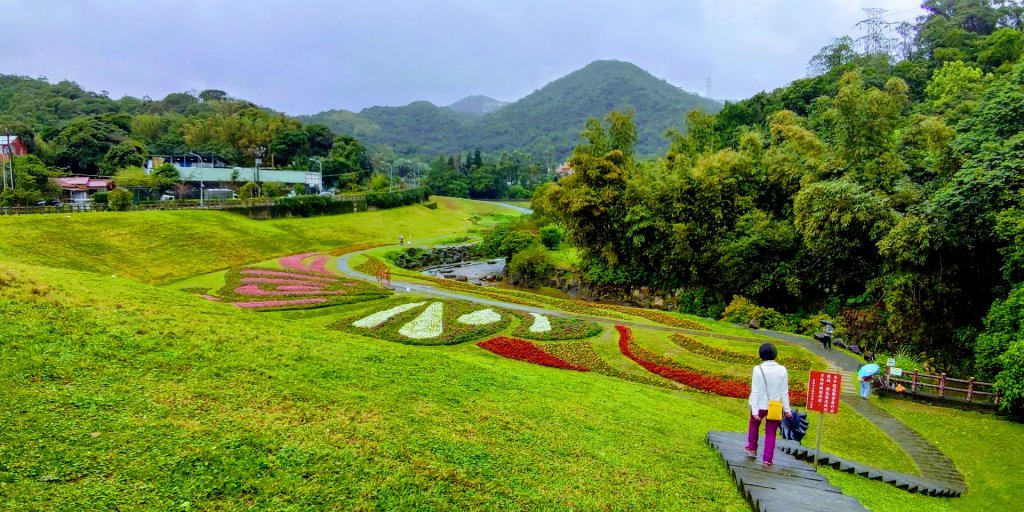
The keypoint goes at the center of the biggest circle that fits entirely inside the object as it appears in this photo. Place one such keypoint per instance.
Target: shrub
(532, 265)
(518, 191)
(119, 199)
(100, 197)
(698, 301)
(505, 241)
(813, 324)
(273, 189)
(551, 236)
(247, 191)
(741, 310)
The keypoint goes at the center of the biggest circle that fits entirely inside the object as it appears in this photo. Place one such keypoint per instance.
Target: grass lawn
(160, 247)
(117, 394)
(121, 395)
(980, 444)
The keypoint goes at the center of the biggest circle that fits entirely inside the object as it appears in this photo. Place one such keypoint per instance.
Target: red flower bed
(689, 377)
(523, 350)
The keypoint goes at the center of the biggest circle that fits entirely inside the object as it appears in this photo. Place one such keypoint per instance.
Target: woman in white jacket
(769, 381)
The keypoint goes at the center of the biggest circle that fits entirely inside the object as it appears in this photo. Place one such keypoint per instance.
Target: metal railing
(942, 387)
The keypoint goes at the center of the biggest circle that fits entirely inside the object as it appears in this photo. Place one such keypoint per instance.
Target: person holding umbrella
(865, 373)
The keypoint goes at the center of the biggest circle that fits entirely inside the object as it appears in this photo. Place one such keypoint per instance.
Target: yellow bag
(774, 406)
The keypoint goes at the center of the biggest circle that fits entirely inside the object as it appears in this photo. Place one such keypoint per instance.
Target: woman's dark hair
(767, 352)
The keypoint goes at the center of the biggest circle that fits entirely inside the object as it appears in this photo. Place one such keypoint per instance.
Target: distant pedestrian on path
(769, 389)
(865, 387)
(828, 336)
(401, 240)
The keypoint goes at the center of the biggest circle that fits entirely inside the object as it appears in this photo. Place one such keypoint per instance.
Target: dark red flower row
(523, 350)
(689, 377)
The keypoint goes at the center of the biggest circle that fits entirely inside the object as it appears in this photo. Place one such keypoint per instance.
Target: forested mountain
(545, 123)
(886, 192)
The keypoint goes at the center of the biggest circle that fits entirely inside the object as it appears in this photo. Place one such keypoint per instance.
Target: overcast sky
(304, 56)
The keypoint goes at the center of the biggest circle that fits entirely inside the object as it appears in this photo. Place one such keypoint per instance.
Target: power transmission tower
(875, 41)
(707, 88)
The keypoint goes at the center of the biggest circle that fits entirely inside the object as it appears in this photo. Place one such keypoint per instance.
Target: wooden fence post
(970, 389)
(913, 385)
(942, 385)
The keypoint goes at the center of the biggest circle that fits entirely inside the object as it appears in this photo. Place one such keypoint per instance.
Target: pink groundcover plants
(302, 282)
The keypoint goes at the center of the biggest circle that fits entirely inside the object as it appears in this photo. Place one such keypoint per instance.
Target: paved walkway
(930, 461)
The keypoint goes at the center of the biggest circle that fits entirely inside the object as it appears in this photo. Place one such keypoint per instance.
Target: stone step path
(909, 483)
(791, 485)
(930, 461)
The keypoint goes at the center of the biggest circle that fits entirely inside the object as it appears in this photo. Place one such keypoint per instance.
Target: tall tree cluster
(75, 131)
(887, 190)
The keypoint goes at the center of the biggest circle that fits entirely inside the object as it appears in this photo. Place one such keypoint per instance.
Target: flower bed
(383, 316)
(540, 324)
(371, 266)
(561, 328)
(299, 286)
(316, 264)
(582, 354)
(429, 324)
(481, 317)
(266, 304)
(415, 325)
(696, 346)
(523, 350)
(724, 385)
(655, 316)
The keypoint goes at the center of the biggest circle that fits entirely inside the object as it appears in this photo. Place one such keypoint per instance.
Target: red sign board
(823, 392)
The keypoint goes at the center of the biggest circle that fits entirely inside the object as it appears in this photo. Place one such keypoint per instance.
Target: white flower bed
(382, 316)
(481, 317)
(430, 323)
(540, 323)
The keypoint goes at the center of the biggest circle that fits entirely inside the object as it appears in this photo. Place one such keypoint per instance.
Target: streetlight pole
(320, 162)
(201, 185)
(259, 160)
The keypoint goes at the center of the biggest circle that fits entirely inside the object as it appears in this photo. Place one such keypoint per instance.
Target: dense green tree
(33, 182)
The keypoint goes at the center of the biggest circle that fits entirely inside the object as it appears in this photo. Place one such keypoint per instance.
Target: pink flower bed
(253, 289)
(299, 288)
(273, 280)
(295, 262)
(282, 273)
(276, 303)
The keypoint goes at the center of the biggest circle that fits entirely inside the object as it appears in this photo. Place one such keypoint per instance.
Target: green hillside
(117, 394)
(545, 123)
(159, 247)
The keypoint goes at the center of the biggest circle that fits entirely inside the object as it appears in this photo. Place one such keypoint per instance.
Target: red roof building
(78, 188)
(11, 145)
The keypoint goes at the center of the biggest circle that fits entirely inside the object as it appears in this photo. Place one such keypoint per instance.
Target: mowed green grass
(984, 448)
(115, 394)
(159, 247)
(119, 395)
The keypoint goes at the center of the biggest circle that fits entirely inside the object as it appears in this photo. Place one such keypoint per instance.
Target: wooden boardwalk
(791, 485)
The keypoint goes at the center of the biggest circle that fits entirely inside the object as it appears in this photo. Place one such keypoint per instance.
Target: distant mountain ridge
(477, 104)
(545, 123)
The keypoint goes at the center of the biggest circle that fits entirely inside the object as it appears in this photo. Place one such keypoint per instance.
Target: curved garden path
(930, 461)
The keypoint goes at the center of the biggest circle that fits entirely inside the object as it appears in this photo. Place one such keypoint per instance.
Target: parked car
(49, 202)
(167, 197)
